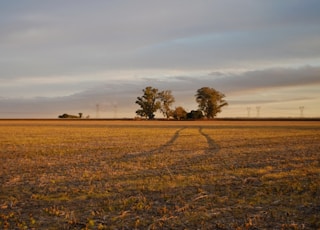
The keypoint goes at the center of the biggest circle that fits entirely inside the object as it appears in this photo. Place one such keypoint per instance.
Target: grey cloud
(46, 38)
(251, 80)
(270, 78)
(234, 49)
(225, 82)
(268, 101)
(122, 94)
(43, 38)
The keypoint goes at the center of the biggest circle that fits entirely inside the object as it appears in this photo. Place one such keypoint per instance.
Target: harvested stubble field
(159, 175)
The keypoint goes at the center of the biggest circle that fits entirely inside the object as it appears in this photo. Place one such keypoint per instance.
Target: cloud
(269, 78)
(259, 87)
(76, 37)
(74, 54)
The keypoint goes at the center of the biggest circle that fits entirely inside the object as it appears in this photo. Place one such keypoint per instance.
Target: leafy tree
(167, 100)
(149, 102)
(210, 101)
(179, 113)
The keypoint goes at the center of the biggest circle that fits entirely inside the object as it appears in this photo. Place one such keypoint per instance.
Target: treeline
(65, 115)
(210, 103)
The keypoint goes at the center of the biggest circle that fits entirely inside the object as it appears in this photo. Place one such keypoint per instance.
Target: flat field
(73, 174)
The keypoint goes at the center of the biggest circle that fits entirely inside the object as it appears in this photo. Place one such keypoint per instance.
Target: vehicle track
(213, 147)
(156, 150)
(169, 143)
(183, 164)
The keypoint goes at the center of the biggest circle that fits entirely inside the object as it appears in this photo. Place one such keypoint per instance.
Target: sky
(96, 57)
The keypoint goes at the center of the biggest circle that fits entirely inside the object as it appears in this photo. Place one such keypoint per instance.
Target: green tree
(167, 100)
(210, 101)
(149, 103)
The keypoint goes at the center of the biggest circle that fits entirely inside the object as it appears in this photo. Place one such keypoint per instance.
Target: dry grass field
(73, 174)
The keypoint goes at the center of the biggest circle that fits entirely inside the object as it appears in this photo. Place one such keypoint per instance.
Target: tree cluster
(152, 100)
(65, 115)
(210, 103)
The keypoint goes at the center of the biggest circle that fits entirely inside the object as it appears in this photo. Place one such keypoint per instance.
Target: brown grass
(159, 175)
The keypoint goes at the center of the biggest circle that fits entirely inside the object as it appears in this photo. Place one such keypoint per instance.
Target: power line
(258, 111)
(115, 109)
(248, 110)
(301, 108)
(97, 111)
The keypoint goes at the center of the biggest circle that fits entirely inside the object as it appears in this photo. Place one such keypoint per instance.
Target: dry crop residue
(159, 175)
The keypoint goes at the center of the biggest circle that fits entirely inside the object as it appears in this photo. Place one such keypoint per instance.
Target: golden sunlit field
(73, 174)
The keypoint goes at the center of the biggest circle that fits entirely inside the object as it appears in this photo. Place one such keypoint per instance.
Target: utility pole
(248, 110)
(115, 109)
(97, 111)
(258, 111)
(301, 108)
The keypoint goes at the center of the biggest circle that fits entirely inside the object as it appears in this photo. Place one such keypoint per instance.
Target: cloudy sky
(68, 56)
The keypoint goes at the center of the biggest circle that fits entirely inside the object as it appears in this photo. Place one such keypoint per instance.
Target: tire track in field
(169, 143)
(213, 147)
(181, 166)
(184, 164)
(159, 149)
